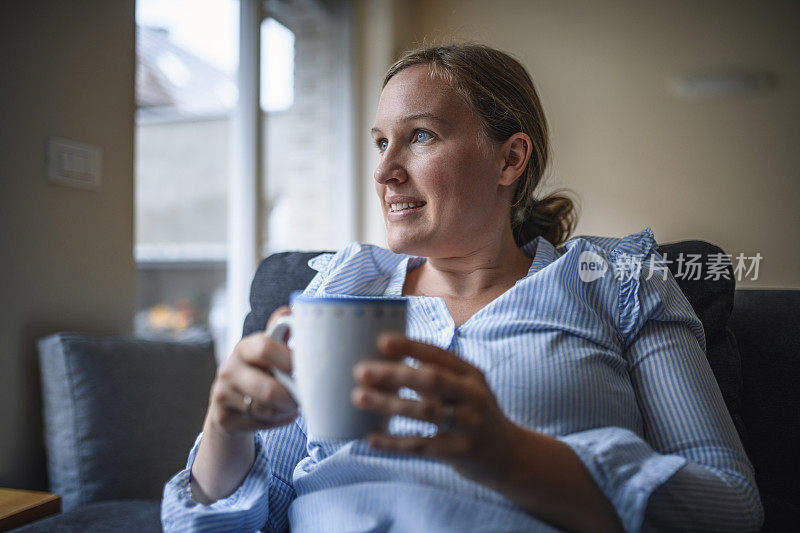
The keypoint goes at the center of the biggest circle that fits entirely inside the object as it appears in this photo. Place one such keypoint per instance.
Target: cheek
(454, 181)
(468, 182)
(440, 186)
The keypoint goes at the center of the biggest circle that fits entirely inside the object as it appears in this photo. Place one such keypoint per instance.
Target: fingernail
(386, 341)
(361, 372)
(366, 397)
(360, 397)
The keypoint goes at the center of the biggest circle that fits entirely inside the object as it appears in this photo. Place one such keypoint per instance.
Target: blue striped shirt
(614, 367)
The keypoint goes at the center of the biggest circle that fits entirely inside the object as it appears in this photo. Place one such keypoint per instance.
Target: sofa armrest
(120, 414)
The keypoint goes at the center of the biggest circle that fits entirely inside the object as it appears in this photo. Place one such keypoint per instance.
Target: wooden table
(18, 507)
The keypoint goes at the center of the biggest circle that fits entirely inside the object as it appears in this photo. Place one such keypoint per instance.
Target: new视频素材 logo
(591, 266)
(688, 267)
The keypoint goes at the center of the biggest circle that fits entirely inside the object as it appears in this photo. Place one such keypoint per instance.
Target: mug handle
(277, 332)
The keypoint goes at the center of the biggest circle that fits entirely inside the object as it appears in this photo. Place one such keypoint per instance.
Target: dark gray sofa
(753, 348)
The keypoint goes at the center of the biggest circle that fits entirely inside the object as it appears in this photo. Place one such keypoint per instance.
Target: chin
(400, 245)
(397, 246)
(417, 246)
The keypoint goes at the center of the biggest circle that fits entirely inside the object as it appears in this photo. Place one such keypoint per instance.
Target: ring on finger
(448, 418)
(247, 411)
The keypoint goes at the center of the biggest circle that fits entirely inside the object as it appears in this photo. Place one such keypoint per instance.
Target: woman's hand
(244, 395)
(536, 471)
(474, 434)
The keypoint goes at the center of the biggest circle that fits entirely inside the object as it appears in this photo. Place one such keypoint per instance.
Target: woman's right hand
(246, 373)
(227, 450)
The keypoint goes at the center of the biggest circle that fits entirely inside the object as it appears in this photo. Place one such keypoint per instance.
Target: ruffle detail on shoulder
(627, 260)
(636, 245)
(647, 290)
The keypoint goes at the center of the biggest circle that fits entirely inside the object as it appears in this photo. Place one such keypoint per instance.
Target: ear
(516, 152)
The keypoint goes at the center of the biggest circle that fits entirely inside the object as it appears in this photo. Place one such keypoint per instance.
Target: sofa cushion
(120, 414)
(131, 516)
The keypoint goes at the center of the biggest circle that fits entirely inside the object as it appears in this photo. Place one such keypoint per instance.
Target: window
(186, 155)
(306, 145)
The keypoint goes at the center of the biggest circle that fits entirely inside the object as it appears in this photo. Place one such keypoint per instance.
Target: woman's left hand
(474, 434)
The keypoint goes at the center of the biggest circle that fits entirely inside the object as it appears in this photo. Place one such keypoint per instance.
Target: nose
(390, 168)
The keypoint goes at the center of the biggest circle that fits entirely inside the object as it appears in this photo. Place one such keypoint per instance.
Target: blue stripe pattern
(615, 368)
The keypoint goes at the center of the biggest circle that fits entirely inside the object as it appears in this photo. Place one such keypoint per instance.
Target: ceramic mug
(328, 336)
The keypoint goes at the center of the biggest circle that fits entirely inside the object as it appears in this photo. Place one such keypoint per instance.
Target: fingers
(228, 407)
(392, 404)
(427, 380)
(396, 345)
(268, 394)
(235, 382)
(443, 445)
(441, 374)
(453, 394)
(244, 379)
(442, 378)
(263, 352)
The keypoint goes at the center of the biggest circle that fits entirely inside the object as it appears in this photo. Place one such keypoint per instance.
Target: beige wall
(722, 170)
(67, 70)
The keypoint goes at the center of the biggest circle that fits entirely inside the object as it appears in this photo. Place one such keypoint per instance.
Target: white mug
(328, 336)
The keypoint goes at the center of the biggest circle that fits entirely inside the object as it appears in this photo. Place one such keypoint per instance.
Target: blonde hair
(500, 91)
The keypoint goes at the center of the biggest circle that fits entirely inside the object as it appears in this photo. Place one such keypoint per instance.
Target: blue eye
(422, 136)
(382, 144)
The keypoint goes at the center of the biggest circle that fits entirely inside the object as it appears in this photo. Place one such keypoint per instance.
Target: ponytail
(553, 217)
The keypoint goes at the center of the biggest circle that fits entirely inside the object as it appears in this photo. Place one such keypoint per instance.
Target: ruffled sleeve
(647, 290)
(689, 470)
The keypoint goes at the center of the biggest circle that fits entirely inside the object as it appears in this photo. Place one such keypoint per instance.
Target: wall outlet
(72, 163)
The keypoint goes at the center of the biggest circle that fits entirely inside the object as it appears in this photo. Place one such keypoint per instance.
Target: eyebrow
(415, 116)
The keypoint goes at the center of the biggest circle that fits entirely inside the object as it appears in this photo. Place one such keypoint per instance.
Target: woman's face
(431, 157)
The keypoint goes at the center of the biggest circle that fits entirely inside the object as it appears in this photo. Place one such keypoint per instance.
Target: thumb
(279, 312)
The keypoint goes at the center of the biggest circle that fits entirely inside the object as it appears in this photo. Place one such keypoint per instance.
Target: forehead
(413, 91)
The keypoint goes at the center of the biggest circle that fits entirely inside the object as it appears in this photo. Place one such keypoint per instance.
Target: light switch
(73, 163)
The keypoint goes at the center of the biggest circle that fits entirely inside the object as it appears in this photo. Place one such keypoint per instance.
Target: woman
(542, 400)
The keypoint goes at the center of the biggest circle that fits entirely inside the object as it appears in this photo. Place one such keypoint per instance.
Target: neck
(494, 264)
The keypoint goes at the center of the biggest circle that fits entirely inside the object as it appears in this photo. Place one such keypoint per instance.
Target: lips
(399, 207)
(402, 199)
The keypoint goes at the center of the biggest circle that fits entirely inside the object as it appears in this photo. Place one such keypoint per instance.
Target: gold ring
(248, 406)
